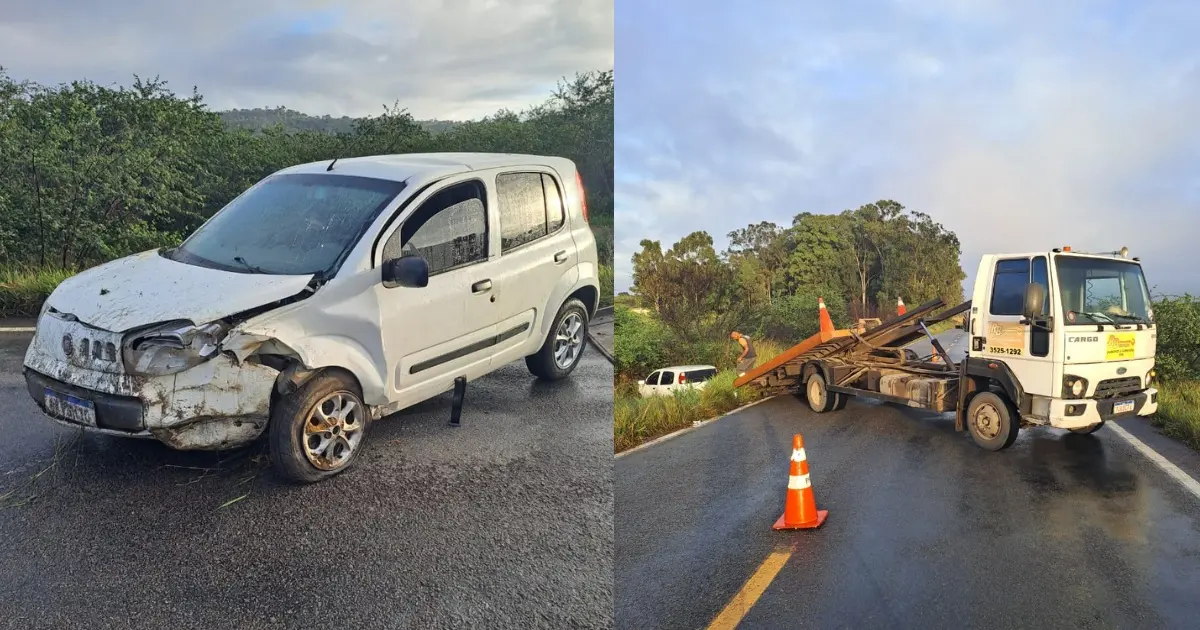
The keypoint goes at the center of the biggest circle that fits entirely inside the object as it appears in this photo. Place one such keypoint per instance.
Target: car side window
(554, 203)
(448, 230)
(530, 207)
(652, 379)
(668, 378)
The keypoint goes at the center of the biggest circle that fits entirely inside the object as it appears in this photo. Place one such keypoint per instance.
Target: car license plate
(70, 408)
(1125, 406)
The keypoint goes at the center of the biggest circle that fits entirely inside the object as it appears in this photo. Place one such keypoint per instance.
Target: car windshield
(1098, 291)
(297, 224)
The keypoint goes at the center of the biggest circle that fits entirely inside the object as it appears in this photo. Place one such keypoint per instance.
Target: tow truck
(1061, 338)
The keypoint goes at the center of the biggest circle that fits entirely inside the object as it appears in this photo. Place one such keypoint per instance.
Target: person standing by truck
(746, 360)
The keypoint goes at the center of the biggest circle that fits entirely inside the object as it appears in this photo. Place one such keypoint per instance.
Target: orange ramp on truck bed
(789, 354)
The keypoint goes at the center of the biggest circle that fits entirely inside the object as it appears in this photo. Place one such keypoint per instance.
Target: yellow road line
(754, 587)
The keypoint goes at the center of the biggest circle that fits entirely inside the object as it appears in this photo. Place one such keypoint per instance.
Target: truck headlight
(1074, 386)
(1150, 379)
(171, 348)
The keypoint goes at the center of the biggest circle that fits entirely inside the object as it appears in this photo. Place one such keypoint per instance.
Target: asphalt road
(924, 529)
(503, 522)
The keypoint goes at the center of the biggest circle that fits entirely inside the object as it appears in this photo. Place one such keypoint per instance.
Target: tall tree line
(90, 172)
(769, 277)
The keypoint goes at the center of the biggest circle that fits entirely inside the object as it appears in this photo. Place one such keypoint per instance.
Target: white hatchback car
(324, 297)
(667, 381)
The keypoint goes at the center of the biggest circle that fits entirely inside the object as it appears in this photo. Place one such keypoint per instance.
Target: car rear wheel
(318, 430)
(564, 344)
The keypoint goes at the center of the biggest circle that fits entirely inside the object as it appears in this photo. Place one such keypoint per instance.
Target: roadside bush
(796, 317)
(1178, 352)
(639, 343)
(1179, 411)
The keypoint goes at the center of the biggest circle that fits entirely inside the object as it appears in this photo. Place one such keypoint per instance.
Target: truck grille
(1118, 387)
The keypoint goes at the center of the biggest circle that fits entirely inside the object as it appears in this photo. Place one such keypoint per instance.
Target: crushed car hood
(146, 288)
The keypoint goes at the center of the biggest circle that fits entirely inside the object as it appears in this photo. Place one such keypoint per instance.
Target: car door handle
(483, 286)
(560, 257)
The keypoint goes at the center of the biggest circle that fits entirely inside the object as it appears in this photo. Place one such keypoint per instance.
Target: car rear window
(699, 376)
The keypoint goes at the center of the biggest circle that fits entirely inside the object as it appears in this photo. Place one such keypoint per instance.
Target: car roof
(687, 368)
(428, 166)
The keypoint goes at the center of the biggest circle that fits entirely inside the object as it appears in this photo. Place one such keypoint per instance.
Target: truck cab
(1068, 338)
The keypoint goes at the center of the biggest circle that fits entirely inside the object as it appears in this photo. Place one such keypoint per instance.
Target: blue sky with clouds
(449, 59)
(1019, 125)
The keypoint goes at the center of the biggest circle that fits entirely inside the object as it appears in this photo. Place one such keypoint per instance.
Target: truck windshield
(296, 224)
(1098, 291)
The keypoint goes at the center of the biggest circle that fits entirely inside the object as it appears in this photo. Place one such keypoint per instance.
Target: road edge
(606, 310)
(695, 425)
(1158, 459)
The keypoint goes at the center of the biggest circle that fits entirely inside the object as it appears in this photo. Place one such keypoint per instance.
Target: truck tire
(1088, 430)
(564, 344)
(993, 421)
(820, 399)
(318, 430)
(840, 401)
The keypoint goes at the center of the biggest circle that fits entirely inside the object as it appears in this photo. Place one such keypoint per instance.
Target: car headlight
(171, 348)
(1074, 386)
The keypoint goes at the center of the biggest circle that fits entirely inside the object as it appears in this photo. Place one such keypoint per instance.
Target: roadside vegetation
(685, 300)
(89, 173)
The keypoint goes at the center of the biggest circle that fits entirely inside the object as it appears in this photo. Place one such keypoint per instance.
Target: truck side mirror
(1035, 300)
(405, 271)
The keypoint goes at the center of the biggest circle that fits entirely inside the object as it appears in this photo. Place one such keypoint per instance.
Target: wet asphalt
(503, 522)
(924, 529)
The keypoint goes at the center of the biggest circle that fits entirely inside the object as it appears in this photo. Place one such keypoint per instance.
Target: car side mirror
(405, 271)
(1035, 300)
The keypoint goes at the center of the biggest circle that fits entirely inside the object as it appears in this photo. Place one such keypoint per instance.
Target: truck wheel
(1088, 430)
(820, 399)
(993, 421)
(564, 343)
(318, 430)
(840, 401)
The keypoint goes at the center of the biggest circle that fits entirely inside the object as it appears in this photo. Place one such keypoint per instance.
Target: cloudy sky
(1017, 124)
(448, 59)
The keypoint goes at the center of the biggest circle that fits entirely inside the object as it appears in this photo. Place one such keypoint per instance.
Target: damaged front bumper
(219, 404)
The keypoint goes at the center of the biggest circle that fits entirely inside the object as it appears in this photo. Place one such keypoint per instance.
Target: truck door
(1026, 347)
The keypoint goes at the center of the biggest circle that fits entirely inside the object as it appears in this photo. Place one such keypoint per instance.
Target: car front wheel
(318, 430)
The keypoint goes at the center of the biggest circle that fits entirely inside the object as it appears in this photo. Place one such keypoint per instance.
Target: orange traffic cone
(800, 509)
(900, 310)
(823, 317)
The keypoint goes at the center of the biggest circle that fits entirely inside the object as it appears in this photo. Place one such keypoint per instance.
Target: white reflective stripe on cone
(798, 482)
(798, 455)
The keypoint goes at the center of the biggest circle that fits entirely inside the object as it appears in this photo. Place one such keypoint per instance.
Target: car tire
(571, 323)
(820, 399)
(993, 421)
(318, 430)
(1087, 430)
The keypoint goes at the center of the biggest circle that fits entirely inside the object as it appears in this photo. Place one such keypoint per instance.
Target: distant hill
(293, 120)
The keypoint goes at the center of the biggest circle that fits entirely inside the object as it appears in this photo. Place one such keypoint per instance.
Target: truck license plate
(70, 408)
(1125, 406)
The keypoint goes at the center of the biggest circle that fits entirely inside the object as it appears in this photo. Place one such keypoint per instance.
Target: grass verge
(22, 291)
(1179, 411)
(606, 285)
